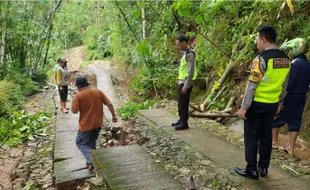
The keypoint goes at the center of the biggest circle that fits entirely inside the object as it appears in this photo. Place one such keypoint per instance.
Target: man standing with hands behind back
(266, 85)
(89, 102)
(187, 73)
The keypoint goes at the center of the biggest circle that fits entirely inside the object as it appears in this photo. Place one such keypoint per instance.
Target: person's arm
(107, 102)
(284, 89)
(112, 110)
(191, 68)
(75, 105)
(257, 71)
(291, 78)
(55, 77)
(249, 95)
(58, 79)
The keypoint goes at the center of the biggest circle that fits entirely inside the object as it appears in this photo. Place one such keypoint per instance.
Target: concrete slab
(222, 152)
(131, 167)
(69, 163)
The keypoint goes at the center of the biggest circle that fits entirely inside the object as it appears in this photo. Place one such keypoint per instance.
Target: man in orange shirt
(89, 102)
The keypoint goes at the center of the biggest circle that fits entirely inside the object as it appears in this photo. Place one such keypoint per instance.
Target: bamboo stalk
(212, 115)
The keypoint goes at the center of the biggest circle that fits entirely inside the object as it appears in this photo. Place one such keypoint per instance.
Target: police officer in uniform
(187, 74)
(266, 86)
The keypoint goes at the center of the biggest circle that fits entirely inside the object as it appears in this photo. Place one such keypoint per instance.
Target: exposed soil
(9, 158)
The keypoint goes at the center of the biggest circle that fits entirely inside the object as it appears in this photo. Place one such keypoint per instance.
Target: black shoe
(176, 123)
(263, 172)
(181, 127)
(250, 174)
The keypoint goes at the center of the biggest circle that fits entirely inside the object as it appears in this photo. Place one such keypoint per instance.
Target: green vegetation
(130, 109)
(141, 34)
(20, 127)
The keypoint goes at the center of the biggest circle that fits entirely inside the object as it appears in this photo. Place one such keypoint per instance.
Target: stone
(108, 136)
(115, 129)
(184, 171)
(47, 185)
(28, 153)
(48, 178)
(305, 162)
(118, 135)
(20, 173)
(34, 176)
(18, 184)
(50, 149)
(32, 144)
(97, 181)
(205, 162)
(24, 165)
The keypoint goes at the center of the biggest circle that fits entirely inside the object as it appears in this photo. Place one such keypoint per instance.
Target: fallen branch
(215, 98)
(228, 110)
(287, 168)
(195, 108)
(213, 115)
(6, 138)
(230, 102)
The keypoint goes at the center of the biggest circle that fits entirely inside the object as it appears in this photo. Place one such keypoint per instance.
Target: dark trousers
(183, 104)
(85, 141)
(258, 134)
(63, 93)
(294, 105)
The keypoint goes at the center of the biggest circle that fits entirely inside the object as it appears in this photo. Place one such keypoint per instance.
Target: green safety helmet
(294, 47)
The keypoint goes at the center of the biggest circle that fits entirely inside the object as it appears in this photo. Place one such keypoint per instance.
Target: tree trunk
(129, 26)
(48, 44)
(4, 31)
(144, 26)
(34, 66)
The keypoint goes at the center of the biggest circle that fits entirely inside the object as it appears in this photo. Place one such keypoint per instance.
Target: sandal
(275, 147)
(90, 168)
(286, 151)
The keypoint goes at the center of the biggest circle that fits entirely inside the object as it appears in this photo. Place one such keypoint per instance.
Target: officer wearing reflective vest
(187, 74)
(266, 86)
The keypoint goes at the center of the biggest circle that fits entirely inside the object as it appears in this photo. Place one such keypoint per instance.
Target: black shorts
(63, 93)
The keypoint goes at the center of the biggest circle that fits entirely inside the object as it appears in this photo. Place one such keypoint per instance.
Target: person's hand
(114, 118)
(60, 87)
(241, 114)
(280, 107)
(184, 90)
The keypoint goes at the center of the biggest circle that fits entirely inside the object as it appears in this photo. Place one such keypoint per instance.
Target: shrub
(130, 109)
(11, 96)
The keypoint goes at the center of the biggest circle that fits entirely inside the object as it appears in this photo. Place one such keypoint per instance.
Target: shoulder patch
(255, 75)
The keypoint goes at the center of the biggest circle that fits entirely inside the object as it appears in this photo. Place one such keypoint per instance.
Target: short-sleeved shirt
(62, 76)
(56, 68)
(89, 102)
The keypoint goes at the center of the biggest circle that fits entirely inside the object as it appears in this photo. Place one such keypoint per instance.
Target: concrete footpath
(132, 168)
(224, 153)
(69, 163)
